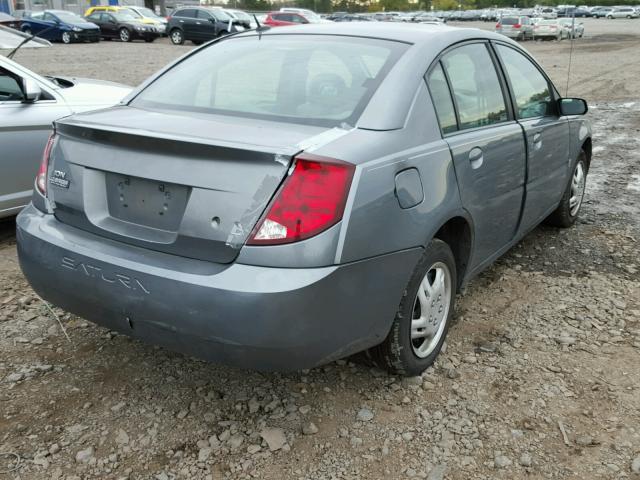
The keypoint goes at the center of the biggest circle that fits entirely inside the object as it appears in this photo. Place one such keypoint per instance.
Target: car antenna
(260, 28)
(27, 40)
(571, 40)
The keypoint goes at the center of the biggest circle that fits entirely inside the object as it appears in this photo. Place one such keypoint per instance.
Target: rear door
(546, 132)
(486, 143)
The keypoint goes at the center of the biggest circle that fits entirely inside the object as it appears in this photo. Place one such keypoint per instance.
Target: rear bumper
(253, 317)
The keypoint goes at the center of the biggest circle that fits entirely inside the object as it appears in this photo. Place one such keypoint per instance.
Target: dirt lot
(540, 378)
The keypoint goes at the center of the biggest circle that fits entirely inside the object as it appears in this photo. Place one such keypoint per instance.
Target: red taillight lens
(498, 25)
(517, 25)
(168, 18)
(310, 200)
(41, 178)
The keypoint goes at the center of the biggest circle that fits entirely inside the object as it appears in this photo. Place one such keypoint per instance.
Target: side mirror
(212, 20)
(573, 106)
(32, 91)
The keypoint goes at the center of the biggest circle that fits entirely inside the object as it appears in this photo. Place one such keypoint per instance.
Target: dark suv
(199, 25)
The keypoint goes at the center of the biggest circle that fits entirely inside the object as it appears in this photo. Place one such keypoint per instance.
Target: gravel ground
(540, 378)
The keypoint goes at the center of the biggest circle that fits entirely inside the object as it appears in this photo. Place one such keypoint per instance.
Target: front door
(487, 145)
(547, 135)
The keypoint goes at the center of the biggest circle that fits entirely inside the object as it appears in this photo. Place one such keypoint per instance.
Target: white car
(29, 103)
(622, 12)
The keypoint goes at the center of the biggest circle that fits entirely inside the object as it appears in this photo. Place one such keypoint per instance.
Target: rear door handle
(476, 157)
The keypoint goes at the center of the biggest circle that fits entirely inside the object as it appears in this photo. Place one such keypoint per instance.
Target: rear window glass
(317, 80)
(510, 20)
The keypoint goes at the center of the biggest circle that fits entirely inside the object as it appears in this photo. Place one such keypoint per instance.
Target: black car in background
(200, 24)
(573, 12)
(124, 26)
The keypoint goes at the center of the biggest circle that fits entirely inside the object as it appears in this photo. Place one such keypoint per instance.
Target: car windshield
(70, 18)
(147, 12)
(124, 16)
(510, 20)
(316, 80)
(222, 15)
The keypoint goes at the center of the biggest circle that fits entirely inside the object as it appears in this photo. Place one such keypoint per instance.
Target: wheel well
(587, 146)
(457, 234)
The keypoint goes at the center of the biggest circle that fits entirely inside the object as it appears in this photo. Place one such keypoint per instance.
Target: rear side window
(475, 85)
(318, 80)
(187, 13)
(530, 88)
(442, 101)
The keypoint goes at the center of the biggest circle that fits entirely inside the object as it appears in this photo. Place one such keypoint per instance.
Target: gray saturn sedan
(283, 198)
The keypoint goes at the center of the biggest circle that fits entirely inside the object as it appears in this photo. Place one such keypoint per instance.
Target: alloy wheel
(577, 189)
(124, 35)
(66, 37)
(431, 309)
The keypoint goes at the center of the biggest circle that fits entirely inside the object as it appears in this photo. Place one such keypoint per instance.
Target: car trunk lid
(190, 185)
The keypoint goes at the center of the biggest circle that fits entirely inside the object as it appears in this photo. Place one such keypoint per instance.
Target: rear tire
(424, 314)
(567, 212)
(176, 36)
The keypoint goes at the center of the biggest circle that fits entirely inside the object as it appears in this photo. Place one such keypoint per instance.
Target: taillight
(41, 178)
(517, 25)
(310, 200)
(498, 25)
(168, 18)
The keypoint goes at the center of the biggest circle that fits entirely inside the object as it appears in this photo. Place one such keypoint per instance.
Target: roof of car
(402, 32)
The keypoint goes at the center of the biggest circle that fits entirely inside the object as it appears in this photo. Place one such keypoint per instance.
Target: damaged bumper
(253, 317)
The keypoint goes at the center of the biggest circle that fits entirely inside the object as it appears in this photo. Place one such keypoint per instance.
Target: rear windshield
(309, 79)
(548, 22)
(510, 20)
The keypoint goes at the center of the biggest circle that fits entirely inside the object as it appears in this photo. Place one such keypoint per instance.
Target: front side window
(9, 87)
(530, 88)
(442, 101)
(475, 85)
(318, 80)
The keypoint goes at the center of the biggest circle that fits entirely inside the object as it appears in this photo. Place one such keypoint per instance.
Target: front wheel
(424, 315)
(177, 37)
(66, 37)
(125, 35)
(567, 212)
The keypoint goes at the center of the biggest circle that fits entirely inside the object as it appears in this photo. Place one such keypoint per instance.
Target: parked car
(574, 29)
(601, 12)
(573, 12)
(310, 15)
(123, 25)
(519, 28)
(549, 30)
(241, 18)
(29, 103)
(622, 12)
(200, 24)
(328, 202)
(548, 13)
(149, 17)
(60, 25)
(10, 21)
(284, 19)
(155, 21)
